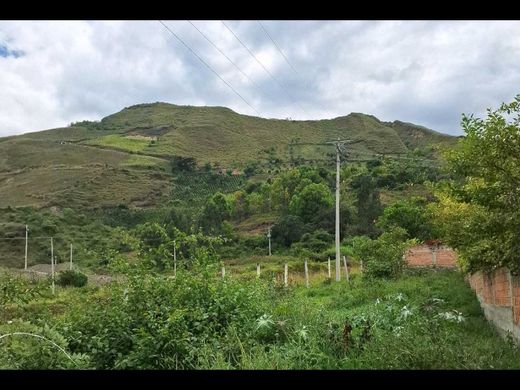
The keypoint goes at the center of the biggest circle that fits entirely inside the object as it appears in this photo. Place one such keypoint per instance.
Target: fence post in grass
(306, 275)
(70, 264)
(328, 265)
(223, 272)
(361, 266)
(257, 270)
(286, 275)
(52, 265)
(346, 268)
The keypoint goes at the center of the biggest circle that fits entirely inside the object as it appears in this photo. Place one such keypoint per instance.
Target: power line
(229, 59)
(209, 67)
(263, 67)
(278, 48)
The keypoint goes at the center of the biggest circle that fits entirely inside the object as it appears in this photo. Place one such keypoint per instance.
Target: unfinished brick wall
(499, 290)
(515, 289)
(425, 256)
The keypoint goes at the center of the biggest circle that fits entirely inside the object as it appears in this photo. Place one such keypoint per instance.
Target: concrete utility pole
(52, 264)
(338, 260)
(26, 244)
(269, 237)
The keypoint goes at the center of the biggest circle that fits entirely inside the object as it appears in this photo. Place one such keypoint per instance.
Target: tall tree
(479, 210)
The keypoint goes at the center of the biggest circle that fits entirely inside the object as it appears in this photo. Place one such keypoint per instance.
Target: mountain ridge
(123, 158)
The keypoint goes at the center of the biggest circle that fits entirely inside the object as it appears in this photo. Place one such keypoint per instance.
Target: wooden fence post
(286, 275)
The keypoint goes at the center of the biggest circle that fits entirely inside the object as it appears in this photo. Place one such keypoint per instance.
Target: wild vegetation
(159, 210)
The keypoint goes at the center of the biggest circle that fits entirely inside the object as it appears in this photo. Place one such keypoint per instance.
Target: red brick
(515, 287)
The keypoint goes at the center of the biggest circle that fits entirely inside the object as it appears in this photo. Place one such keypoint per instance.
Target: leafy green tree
(368, 205)
(151, 235)
(216, 211)
(239, 205)
(485, 192)
(183, 164)
(154, 245)
(411, 215)
(382, 257)
(288, 229)
(311, 201)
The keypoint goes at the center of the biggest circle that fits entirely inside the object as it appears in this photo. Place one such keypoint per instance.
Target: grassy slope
(95, 164)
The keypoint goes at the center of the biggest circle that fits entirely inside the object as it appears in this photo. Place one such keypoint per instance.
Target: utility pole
(52, 265)
(269, 237)
(26, 244)
(340, 148)
(338, 260)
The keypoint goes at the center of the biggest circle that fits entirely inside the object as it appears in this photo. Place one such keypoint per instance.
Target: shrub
(383, 257)
(72, 278)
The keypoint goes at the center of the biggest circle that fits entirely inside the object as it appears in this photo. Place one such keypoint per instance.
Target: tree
(382, 257)
(410, 215)
(479, 209)
(153, 248)
(288, 229)
(183, 164)
(216, 211)
(240, 205)
(367, 204)
(311, 201)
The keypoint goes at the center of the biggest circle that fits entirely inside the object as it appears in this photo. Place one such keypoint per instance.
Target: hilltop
(124, 158)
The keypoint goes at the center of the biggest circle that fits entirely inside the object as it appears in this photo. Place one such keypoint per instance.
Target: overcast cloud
(428, 73)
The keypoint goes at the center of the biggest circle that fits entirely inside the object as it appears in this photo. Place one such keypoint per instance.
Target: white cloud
(423, 72)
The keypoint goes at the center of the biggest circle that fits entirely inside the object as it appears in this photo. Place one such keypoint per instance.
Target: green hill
(124, 158)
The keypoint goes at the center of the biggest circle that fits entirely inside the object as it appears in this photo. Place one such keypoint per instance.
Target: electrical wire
(210, 68)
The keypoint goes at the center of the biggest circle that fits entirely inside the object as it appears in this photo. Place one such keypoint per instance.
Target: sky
(53, 73)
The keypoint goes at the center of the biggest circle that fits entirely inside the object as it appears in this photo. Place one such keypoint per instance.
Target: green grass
(131, 144)
(381, 324)
(145, 162)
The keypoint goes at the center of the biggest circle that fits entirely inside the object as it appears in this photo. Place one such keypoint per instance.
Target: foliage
(368, 205)
(72, 278)
(311, 201)
(27, 346)
(183, 164)
(316, 242)
(382, 257)
(486, 190)
(216, 211)
(288, 229)
(411, 215)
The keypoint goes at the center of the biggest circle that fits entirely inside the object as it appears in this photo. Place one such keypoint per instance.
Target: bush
(383, 257)
(72, 278)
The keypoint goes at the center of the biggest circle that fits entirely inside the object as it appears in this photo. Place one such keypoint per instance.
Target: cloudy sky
(428, 73)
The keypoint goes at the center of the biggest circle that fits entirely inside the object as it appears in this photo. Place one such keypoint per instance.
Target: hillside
(124, 158)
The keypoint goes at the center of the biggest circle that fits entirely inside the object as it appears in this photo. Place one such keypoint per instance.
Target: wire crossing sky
(53, 73)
